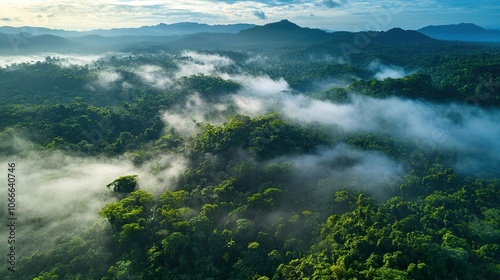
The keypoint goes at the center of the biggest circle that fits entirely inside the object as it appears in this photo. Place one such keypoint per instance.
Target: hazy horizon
(229, 24)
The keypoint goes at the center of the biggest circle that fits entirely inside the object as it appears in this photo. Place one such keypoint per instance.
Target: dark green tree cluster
(210, 86)
(263, 137)
(444, 235)
(41, 82)
(124, 184)
(84, 129)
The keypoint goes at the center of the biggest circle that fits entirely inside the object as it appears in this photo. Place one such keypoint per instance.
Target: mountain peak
(286, 22)
(283, 24)
(283, 31)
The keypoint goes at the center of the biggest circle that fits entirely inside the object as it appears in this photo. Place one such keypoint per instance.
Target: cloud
(469, 132)
(386, 71)
(250, 99)
(260, 94)
(257, 59)
(260, 15)
(184, 119)
(248, 106)
(194, 63)
(261, 85)
(351, 15)
(60, 195)
(73, 182)
(153, 75)
(106, 79)
(255, 97)
(332, 4)
(343, 166)
(64, 60)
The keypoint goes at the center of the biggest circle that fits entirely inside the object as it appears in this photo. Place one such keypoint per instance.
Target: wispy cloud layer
(347, 14)
(471, 133)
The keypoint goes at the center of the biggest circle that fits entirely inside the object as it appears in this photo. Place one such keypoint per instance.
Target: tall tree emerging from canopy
(124, 184)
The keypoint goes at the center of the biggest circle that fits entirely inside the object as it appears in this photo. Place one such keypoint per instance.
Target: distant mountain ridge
(283, 28)
(162, 29)
(272, 36)
(461, 32)
(26, 42)
(36, 31)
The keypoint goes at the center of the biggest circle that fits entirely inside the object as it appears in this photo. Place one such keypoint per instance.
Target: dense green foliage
(262, 137)
(446, 235)
(242, 208)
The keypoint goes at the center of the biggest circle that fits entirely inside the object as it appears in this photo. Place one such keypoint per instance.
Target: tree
(124, 184)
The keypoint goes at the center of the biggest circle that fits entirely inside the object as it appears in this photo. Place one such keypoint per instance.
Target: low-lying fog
(58, 191)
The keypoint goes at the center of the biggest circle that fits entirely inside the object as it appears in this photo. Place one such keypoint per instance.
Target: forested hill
(461, 32)
(274, 152)
(283, 31)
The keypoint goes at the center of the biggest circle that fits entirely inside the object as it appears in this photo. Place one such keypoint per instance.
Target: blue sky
(351, 15)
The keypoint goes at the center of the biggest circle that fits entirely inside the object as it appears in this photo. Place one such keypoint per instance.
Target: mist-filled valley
(265, 152)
